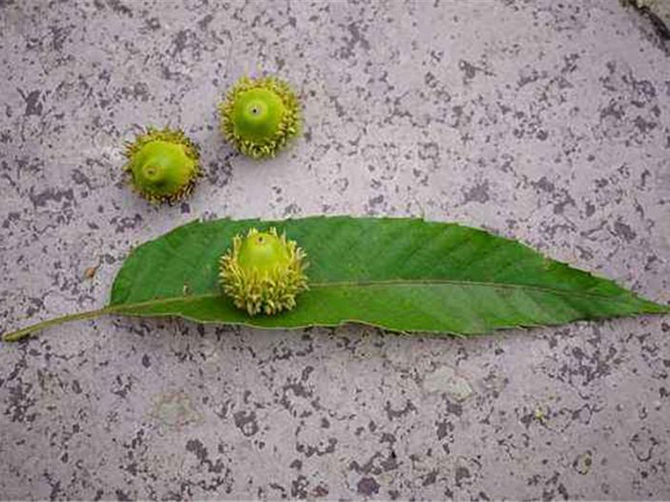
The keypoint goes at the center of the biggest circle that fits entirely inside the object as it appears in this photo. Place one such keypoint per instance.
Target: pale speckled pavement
(543, 121)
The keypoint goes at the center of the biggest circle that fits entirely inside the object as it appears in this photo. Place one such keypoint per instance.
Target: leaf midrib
(395, 282)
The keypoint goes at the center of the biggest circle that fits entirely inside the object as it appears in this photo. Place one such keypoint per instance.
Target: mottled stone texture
(543, 121)
(658, 11)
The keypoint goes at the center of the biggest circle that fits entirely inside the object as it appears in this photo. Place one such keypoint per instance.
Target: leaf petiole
(15, 336)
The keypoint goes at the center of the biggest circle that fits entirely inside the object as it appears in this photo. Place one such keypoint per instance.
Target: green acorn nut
(163, 165)
(260, 116)
(263, 272)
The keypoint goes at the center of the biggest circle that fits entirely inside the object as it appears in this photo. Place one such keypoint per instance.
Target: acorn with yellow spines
(263, 272)
(260, 116)
(163, 165)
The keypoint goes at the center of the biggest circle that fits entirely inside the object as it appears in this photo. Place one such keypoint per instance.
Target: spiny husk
(289, 126)
(171, 136)
(263, 292)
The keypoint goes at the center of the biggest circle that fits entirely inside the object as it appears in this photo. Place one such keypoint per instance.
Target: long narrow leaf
(399, 274)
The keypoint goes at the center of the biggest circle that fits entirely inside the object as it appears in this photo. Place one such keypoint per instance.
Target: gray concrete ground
(660, 9)
(540, 120)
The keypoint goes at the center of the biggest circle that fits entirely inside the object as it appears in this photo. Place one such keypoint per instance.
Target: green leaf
(401, 274)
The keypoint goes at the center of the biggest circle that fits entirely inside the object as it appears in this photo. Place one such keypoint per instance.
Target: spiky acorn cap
(263, 272)
(163, 165)
(260, 116)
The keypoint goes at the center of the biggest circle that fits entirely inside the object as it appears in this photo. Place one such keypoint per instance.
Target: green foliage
(399, 274)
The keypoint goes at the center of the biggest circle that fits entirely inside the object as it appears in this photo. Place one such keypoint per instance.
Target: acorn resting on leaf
(260, 116)
(163, 165)
(263, 272)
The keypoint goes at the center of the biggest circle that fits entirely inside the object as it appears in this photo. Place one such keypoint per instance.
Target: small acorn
(163, 165)
(263, 272)
(260, 116)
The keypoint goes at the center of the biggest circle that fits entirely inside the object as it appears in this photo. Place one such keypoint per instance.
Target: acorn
(163, 165)
(260, 116)
(263, 272)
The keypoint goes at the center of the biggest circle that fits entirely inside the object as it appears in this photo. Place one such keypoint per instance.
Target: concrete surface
(660, 9)
(544, 121)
